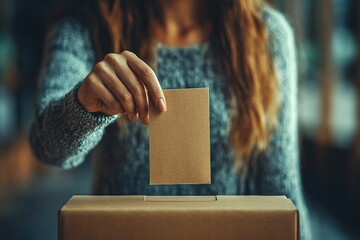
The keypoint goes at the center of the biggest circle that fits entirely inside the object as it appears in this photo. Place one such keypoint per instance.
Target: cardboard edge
(72, 197)
(151, 105)
(209, 132)
(186, 89)
(60, 217)
(297, 219)
(291, 202)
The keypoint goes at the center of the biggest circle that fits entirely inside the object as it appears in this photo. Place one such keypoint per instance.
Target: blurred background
(328, 38)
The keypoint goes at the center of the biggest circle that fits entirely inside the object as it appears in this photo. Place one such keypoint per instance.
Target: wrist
(79, 94)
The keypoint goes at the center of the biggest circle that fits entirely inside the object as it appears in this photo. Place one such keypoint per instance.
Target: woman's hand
(120, 84)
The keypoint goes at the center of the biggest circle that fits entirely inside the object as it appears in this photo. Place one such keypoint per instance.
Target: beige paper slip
(179, 139)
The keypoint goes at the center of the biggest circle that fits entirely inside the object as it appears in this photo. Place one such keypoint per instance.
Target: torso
(125, 169)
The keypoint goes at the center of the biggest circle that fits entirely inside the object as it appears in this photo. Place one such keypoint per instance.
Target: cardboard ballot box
(187, 217)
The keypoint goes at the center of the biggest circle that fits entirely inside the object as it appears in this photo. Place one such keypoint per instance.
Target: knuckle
(158, 93)
(138, 91)
(91, 80)
(127, 53)
(147, 72)
(110, 57)
(126, 97)
(99, 67)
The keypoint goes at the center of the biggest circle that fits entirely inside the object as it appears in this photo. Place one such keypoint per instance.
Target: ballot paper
(179, 139)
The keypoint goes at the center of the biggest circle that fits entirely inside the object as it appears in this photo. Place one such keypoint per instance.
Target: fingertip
(161, 105)
(146, 120)
(135, 117)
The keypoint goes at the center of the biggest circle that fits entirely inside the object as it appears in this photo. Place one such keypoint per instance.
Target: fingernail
(146, 120)
(162, 105)
(135, 117)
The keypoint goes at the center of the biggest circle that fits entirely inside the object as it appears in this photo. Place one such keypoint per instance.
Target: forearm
(64, 132)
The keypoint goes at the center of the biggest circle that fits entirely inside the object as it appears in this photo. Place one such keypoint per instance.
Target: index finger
(141, 69)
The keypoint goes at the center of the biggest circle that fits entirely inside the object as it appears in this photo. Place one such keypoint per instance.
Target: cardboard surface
(179, 139)
(159, 217)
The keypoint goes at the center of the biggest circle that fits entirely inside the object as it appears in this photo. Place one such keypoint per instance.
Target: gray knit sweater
(64, 133)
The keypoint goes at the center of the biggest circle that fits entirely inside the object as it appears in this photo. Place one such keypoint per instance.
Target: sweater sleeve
(63, 132)
(278, 169)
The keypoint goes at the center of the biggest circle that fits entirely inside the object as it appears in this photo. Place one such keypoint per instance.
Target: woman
(104, 63)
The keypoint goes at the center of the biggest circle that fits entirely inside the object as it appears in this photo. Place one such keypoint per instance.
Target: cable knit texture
(64, 133)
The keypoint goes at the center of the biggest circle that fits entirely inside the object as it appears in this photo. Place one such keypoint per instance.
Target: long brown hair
(240, 43)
